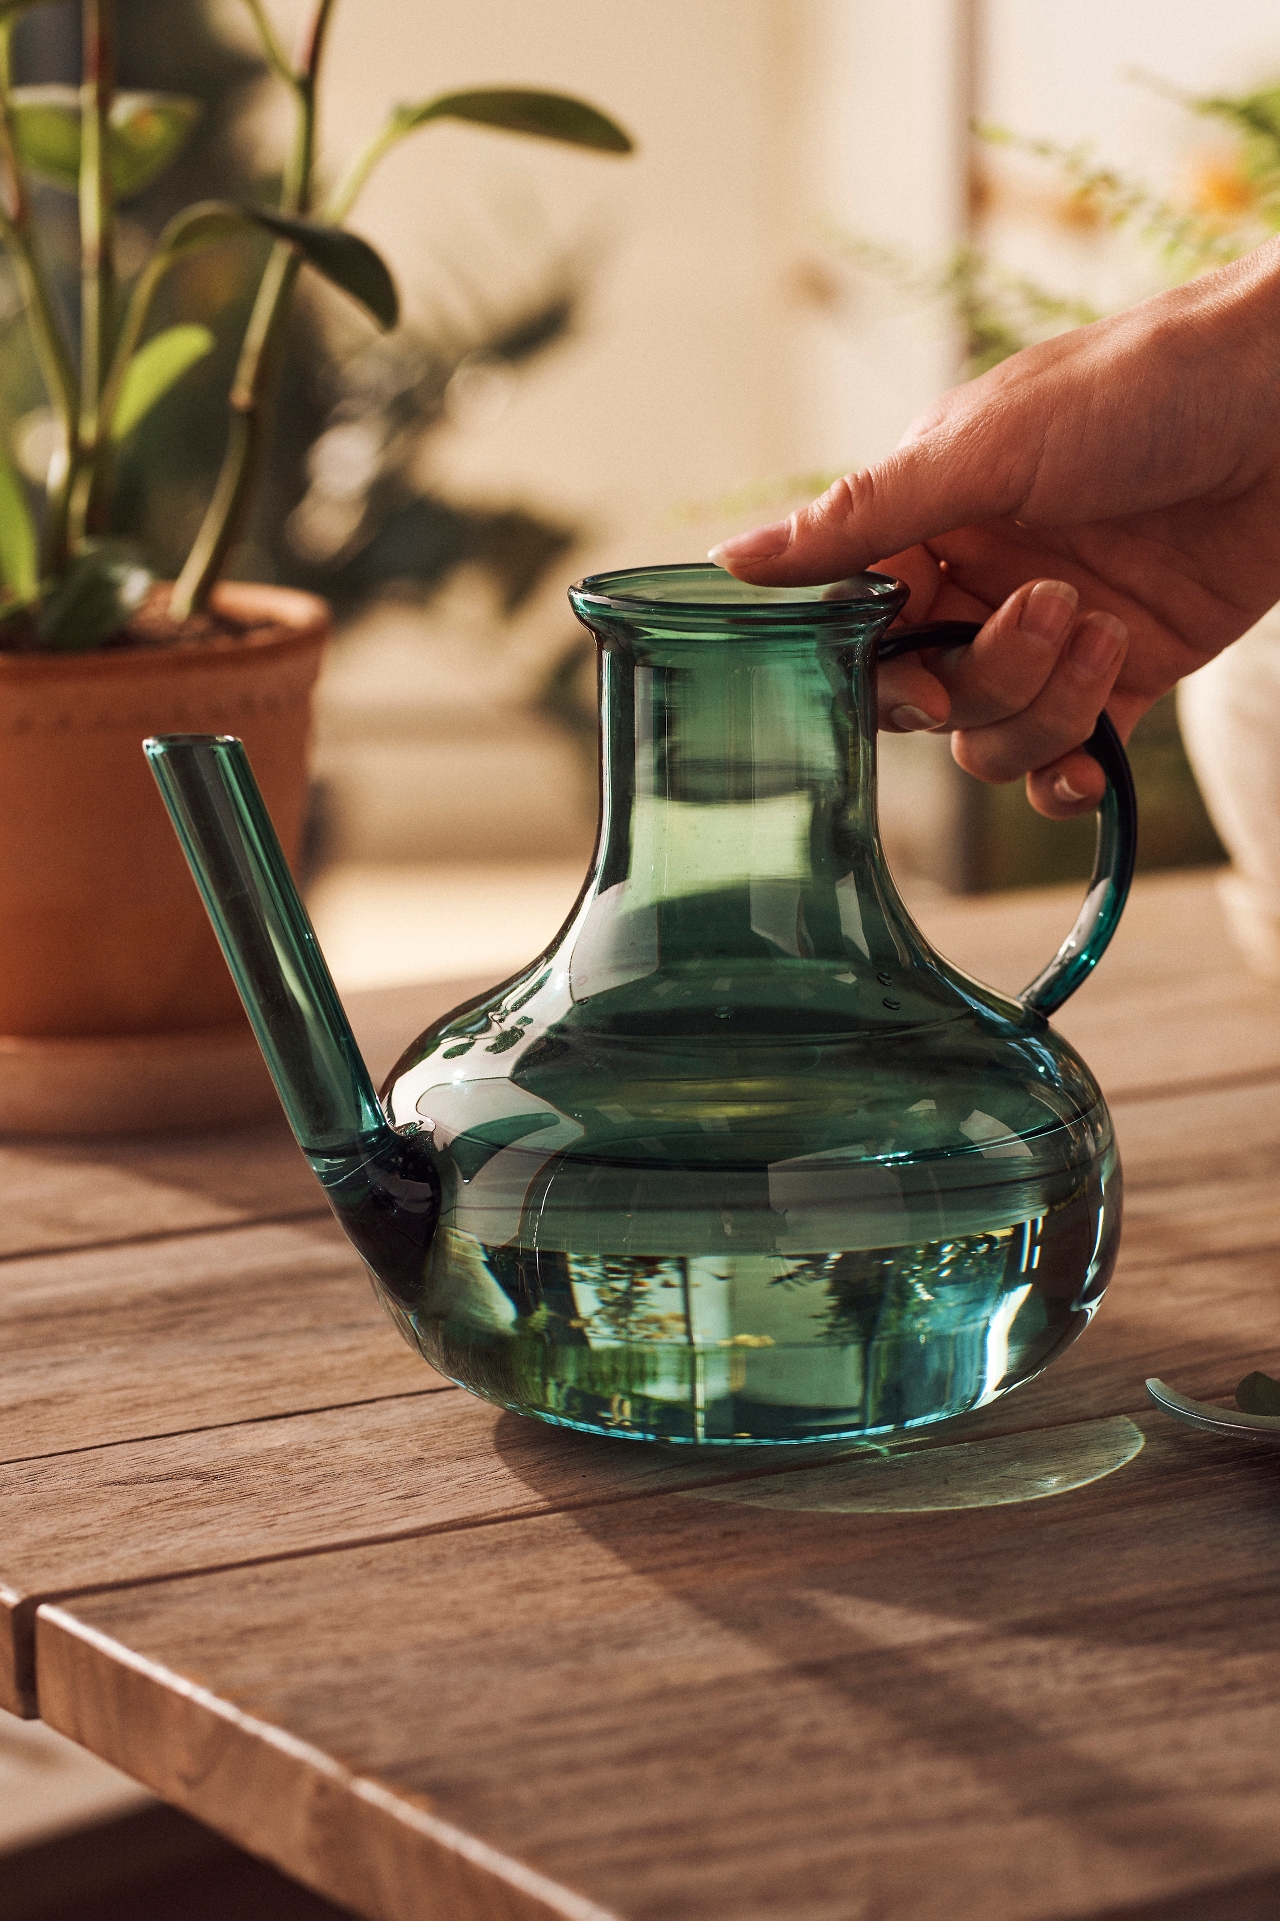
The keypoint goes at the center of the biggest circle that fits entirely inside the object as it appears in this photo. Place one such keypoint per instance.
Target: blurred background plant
(128, 484)
(1229, 202)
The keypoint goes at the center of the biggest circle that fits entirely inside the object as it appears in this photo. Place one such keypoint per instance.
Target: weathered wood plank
(1162, 1008)
(1007, 938)
(174, 1335)
(680, 1708)
(216, 1332)
(1193, 1301)
(230, 1494)
(1202, 1017)
(1177, 1034)
(269, 1489)
(61, 1194)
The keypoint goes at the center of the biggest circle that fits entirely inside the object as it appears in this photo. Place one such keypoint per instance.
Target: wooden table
(437, 1661)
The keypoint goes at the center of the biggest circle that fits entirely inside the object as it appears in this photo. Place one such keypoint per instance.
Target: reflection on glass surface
(739, 1158)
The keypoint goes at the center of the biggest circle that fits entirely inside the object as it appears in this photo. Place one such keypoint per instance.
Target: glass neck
(733, 761)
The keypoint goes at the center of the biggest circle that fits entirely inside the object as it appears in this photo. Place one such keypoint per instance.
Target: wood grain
(62, 1194)
(1194, 1300)
(437, 1661)
(1202, 1015)
(678, 1709)
(268, 1489)
(170, 1336)
(1203, 1019)
(139, 1510)
(1007, 938)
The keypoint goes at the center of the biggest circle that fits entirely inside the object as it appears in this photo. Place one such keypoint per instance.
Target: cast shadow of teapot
(983, 1645)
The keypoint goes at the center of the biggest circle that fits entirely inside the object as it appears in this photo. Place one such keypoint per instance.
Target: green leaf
(342, 257)
(547, 116)
(1257, 113)
(19, 554)
(154, 369)
(103, 587)
(148, 130)
(1258, 1394)
(47, 133)
(201, 225)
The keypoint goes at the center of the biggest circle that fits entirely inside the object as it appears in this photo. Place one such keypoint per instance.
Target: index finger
(882, 510)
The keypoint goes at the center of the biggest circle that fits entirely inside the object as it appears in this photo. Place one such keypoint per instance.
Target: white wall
(755, 119)
(702, 370)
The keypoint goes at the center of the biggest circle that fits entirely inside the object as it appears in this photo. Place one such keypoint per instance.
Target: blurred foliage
(1232, 203)
(999, 312)
(363, 523)
(338, 500)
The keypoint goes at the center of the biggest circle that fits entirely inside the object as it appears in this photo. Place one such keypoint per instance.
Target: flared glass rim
(860, 597)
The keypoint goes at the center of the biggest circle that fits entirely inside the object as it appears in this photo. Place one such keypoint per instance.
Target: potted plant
(116, 1011)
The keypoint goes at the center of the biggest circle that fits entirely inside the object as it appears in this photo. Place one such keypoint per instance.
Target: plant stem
(248, 399)
(245, 437)
(17, 231)
(348, 189)
(97, 251)
(311, 52)
(272, 51)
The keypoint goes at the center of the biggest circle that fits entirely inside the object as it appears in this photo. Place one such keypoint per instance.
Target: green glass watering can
(738, 1159)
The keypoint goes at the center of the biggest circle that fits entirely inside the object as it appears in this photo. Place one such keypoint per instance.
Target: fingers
(1071, 785)
(992, 680)
(1163, 406)
(1022, 698)
(971, 457)
(910, 698)
(1011, 661)
(1043, 737)
(917, 492)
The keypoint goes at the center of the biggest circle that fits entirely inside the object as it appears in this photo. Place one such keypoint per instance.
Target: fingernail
(1050, 609)
(1097, 645)
(1064, 791)
(762, 543)
(910, 720)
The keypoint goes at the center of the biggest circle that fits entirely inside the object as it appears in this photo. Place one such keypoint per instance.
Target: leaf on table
(154, 369)
(104, 586)
(1258, 1394)
(147, 131)
(546, 116)
(19, 551)
(342, 257)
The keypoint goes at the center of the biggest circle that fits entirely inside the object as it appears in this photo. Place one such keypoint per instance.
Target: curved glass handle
(1117, 845)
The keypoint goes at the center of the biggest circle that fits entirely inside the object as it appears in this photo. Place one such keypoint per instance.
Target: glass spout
(382, 1184)
(264, 932)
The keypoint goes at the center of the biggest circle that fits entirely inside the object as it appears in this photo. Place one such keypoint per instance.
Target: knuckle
(981, 752)
(843, 500)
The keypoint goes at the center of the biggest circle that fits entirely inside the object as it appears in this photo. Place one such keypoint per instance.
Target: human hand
(1108, 504)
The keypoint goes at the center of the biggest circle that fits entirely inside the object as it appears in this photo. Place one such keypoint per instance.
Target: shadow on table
(1088, 1665)
(146, 1866)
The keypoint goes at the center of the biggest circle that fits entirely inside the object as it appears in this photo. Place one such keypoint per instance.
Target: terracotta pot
(117, 1011)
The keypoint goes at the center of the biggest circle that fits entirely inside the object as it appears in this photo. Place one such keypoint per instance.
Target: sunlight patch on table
(1001, 1472)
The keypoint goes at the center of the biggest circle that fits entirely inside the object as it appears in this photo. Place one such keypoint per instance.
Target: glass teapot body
(739, 1158)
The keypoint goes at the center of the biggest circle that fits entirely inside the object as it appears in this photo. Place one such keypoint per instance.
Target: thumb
(962, 463)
